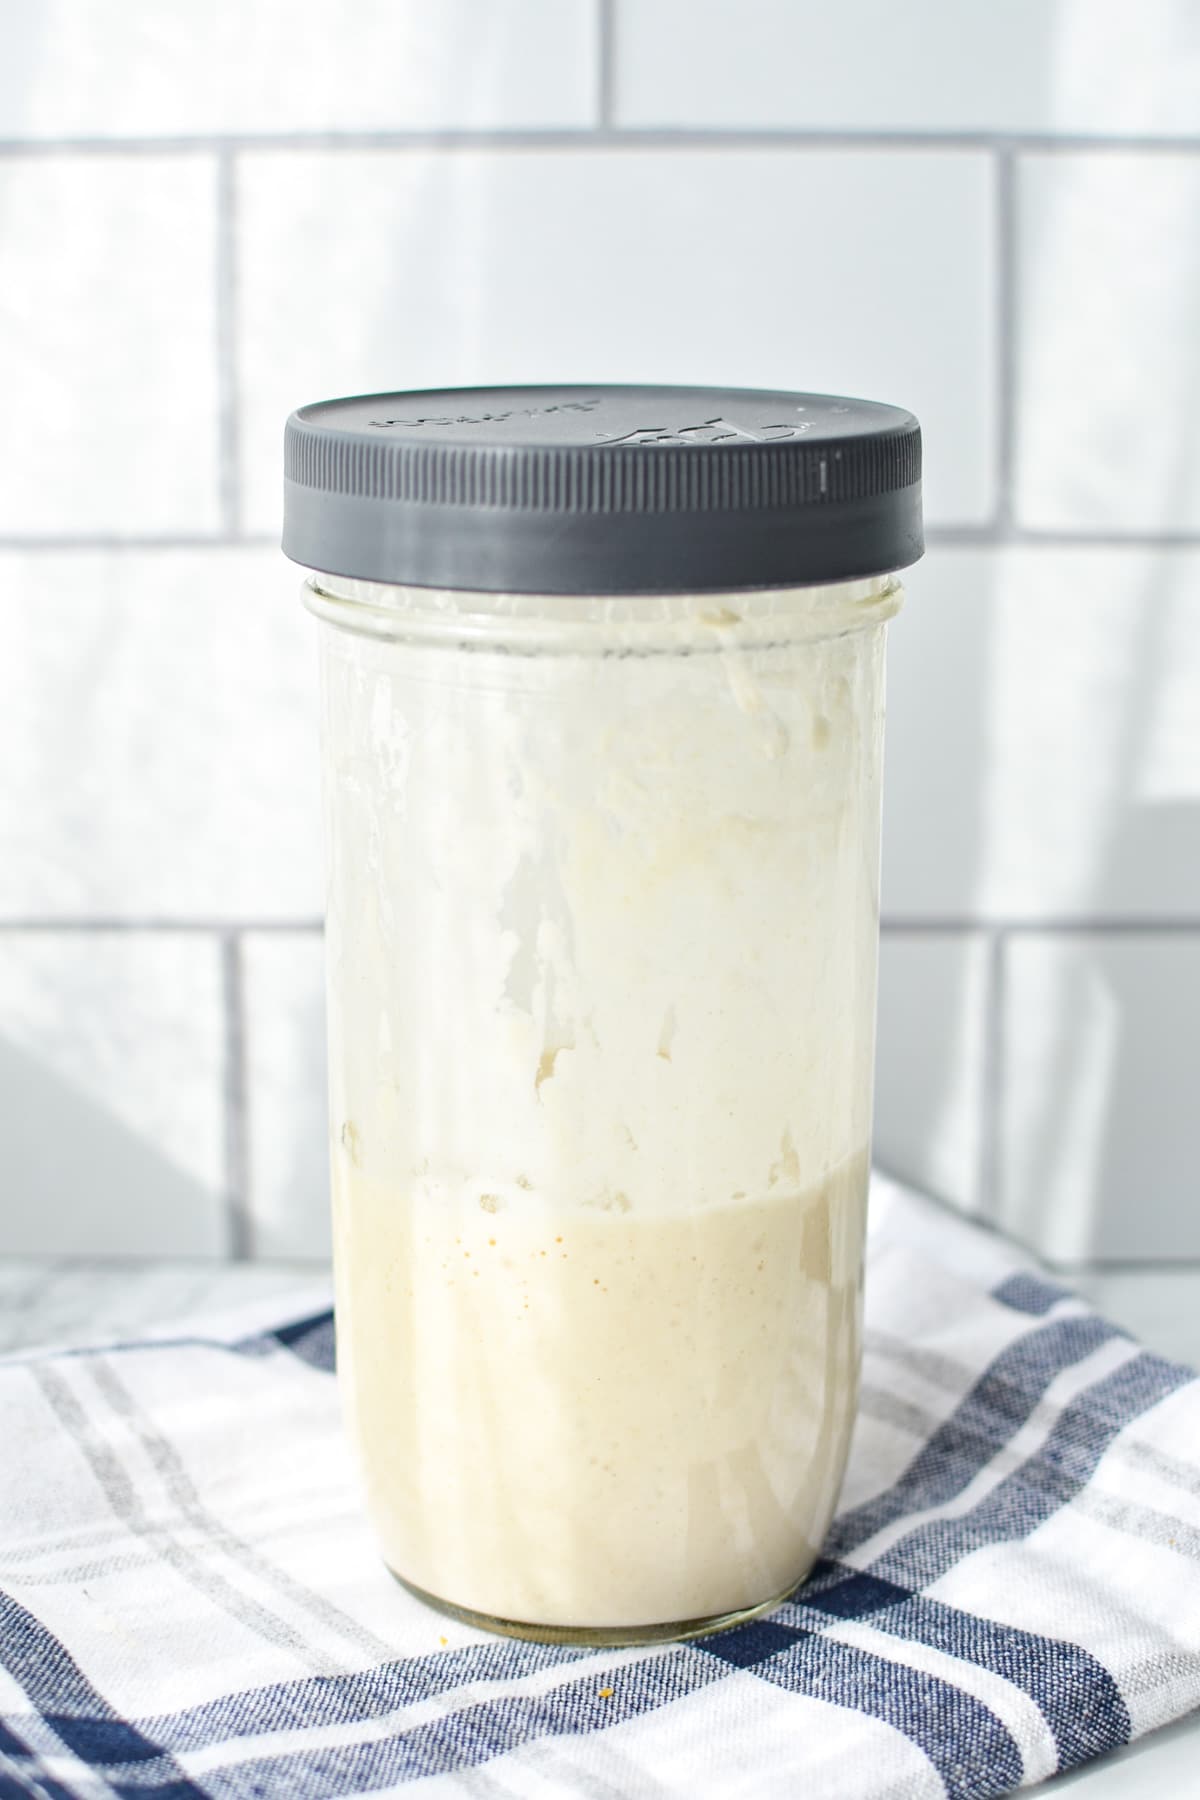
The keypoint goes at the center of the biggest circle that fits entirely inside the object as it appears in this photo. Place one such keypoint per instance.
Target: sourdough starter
(602, 938)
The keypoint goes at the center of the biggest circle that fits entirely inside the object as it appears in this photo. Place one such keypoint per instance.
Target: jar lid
(602, 490)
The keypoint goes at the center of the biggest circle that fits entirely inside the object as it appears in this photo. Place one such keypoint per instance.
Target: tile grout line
(586, 137)
(185, 927)
(999, 535)
(115, 540)
(1082, 926)
(953, 925)
(237, 1216)
(606, 27)
(986, 536)
(1127, 1265)
(1006, 331)
(991, 1147)
(228, 416)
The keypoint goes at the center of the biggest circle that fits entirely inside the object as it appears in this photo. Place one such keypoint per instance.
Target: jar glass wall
(602, 937)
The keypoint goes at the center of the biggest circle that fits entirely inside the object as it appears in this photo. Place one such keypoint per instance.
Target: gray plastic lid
(602, 490)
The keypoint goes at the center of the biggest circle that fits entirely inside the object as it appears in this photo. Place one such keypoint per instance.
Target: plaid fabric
(191, 1605)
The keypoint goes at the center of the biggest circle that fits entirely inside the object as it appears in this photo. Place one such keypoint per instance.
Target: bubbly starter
(602, 939)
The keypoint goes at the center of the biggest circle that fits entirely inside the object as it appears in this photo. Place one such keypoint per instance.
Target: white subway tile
(1076, 66)
(173, 67)
(111, 1075)
(838, 271)
(930, 1063)
(1108, 352)
(1101, 1052)
(108, 360)
(159, 735)
(287, 1119)
(1044, 738)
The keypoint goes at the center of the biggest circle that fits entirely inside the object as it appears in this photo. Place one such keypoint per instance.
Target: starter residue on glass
(602, 937)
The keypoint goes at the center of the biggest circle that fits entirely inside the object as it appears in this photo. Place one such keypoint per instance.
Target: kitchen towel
(191, 1606)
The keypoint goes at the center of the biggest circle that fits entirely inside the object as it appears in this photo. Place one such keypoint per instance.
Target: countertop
(75, 1300)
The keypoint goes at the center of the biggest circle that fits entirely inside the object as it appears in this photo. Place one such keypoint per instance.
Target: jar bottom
(598, 1637)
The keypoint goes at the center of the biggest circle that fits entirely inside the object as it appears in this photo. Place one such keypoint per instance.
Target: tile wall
(210, 214)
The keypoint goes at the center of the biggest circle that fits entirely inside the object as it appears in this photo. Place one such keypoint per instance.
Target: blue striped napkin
(191, 1604)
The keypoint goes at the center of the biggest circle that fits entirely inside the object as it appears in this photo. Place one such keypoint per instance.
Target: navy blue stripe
(312, 1702)
(57, 1687)
(42, 1667)
(315, 1701)
(748, 1645)
(178, 1789)
(13, 1787)
(27, 1776)
(311, 1339)
(972, 1750)
(1078, 1698)
(1029, 1293)
(996, 1407)
(1045, 1482)
(458, 1740)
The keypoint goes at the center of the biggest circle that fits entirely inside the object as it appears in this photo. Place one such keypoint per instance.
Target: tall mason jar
(603, 704)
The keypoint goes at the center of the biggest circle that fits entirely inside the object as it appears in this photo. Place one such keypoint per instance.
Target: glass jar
(602, 934)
